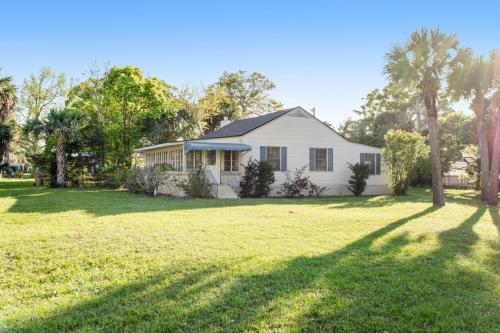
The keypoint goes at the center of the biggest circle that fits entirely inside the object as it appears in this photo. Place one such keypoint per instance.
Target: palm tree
(5, 136)
(60, 126)
(495, 110)
(7, 102)
(495, 156)
(7, 97)
(471, 78)
(423, 62)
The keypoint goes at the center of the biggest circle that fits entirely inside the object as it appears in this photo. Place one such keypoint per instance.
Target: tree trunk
(101, 137)
(495, 158)
(7, 152)
(61, 163)
(125, 138)
(482, 136)
(437, 181)
(420, 123)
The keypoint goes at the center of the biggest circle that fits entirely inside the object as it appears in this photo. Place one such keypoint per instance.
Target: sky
(322, 54)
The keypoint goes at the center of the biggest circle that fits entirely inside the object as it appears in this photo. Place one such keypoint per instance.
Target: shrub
(249, 179)
(44, 165)
(134, 179)
(145, 180)
(76, 171)
(265, 178)
(294, 186)
(422, 173)
(357, 182)
(196, 185)
(316, 190)
(402, 152)
(257, 179)
(6, 170)
(111, 176)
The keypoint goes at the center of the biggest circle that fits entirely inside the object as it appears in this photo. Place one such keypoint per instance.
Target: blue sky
(327, 54)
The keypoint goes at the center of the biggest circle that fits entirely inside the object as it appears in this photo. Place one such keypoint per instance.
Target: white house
(289, 139)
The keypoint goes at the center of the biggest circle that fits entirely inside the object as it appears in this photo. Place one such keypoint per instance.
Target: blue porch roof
(197, 145)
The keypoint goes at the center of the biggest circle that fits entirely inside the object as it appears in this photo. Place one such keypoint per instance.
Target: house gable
(301, 120)
(238, 131)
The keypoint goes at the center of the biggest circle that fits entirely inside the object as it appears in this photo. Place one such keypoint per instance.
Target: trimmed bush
(249, 179)
(402, 153)
(257, 179)
(357, 182)
(265, 178)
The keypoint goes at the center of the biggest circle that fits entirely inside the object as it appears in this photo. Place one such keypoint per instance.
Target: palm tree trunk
(61, 163)
(482, 136)
(420, 125)
(495, 158)
(437, 181)
(7, 153)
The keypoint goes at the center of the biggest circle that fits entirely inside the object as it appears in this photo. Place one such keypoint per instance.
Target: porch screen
(193, 160)
(170, 157)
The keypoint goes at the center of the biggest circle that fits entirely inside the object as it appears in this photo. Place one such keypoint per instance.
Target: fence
(455, 181)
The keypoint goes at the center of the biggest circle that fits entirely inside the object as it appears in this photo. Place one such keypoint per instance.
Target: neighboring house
(289, 139)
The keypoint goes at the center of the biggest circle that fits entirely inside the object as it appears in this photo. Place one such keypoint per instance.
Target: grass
(99, 260)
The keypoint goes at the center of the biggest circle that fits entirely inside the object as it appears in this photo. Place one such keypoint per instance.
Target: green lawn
(98, 260)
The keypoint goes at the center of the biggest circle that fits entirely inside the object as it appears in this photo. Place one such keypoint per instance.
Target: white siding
(299, 132)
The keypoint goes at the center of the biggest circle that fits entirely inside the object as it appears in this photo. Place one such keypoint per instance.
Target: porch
(221, 162)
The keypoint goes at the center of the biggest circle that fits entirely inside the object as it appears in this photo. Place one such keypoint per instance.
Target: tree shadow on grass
(495, 217)
(101, 202)
(363, 287)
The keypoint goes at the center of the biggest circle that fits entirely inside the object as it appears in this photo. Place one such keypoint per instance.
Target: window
(273, 157)
(319, 159)
(230, 161)
(193, 160)
(373, 161)
(211, 157)
(276, 156)
(370, 161)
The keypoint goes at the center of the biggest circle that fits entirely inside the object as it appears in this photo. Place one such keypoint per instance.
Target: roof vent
(225, 122)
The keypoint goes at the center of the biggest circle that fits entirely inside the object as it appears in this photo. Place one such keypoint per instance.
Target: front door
(212, 165)
(229, 166)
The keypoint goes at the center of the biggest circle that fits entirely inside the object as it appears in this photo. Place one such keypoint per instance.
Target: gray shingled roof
(244, 126)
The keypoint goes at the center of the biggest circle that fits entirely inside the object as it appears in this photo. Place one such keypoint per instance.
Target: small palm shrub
(357, 182)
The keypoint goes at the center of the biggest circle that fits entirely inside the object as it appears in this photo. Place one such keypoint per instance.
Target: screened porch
(221, 161)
